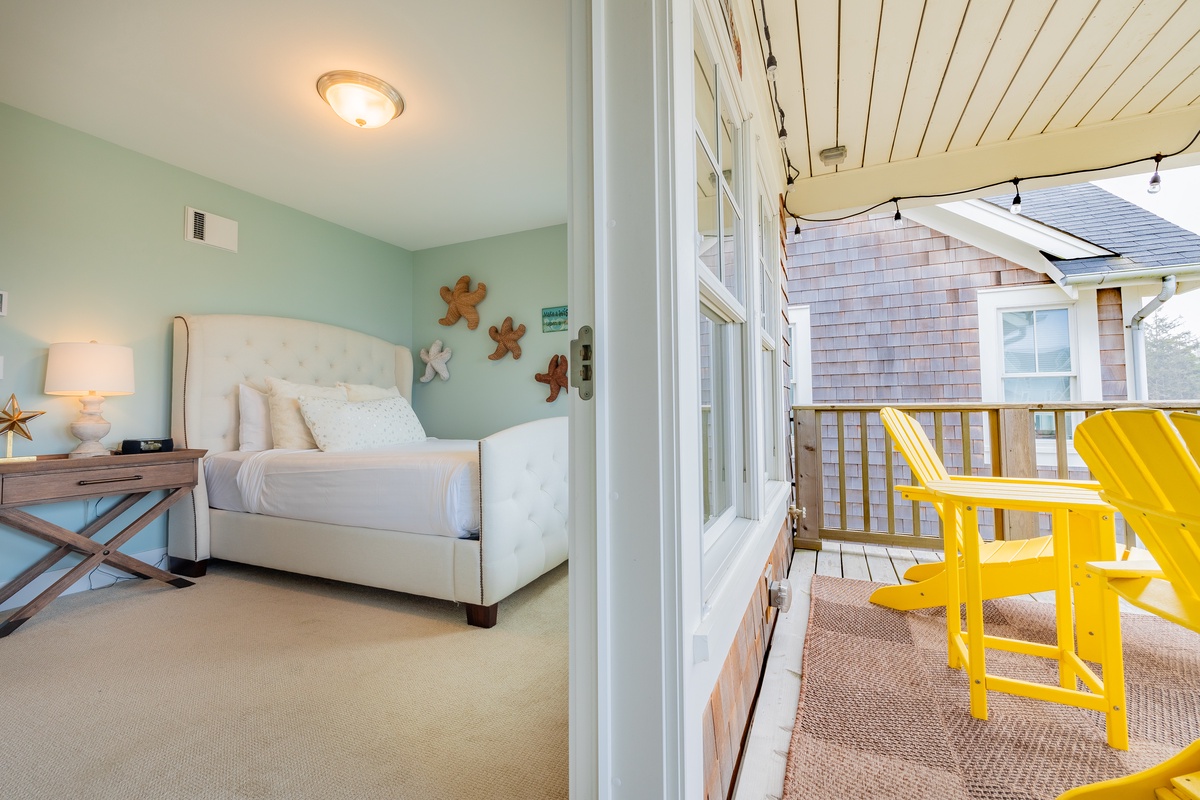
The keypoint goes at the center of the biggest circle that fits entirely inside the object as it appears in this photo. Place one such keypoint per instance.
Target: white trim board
(98, 578)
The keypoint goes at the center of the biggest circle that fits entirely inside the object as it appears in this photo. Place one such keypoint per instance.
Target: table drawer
(73, 484)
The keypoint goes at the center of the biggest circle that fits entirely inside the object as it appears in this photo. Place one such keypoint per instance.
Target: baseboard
(98, 578)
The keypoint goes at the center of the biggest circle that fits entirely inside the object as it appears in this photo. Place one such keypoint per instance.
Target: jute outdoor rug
(881, 714)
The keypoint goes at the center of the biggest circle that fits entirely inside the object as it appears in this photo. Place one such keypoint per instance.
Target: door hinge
(582, 366)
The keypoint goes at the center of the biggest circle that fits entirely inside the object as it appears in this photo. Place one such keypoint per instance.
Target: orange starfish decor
(555, 376)
(462, 302)
(506, 338)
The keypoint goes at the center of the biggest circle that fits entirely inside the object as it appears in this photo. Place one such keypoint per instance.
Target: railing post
(808, 476)
(1018, 459)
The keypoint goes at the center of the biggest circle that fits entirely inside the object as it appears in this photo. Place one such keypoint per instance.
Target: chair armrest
(916, 493)
(1125, 569)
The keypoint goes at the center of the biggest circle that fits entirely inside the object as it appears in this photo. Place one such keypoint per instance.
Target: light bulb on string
(1015, 208)
(782, 136)
(897, 220)
(796, 232)
(1155, 181)
(772, 66)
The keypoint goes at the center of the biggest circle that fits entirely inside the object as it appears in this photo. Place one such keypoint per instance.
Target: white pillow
(288, 429)
(341, 425)
(361, 392)
(254, 419)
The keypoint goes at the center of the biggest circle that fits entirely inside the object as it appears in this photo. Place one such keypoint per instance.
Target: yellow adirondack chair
(1020, 566)
(1149, 470)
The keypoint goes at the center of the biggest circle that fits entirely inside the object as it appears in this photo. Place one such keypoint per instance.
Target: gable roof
(1138, 239)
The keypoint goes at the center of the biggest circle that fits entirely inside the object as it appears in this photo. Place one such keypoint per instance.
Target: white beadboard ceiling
(226, 88)
(912, 82)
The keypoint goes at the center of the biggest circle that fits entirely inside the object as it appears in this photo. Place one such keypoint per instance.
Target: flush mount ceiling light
(832, 156)
(362, 100)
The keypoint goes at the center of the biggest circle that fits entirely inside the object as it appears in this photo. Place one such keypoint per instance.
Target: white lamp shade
(79, 368)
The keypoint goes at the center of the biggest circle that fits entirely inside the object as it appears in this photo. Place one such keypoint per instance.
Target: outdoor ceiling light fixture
(362, 100)
(1155, 181)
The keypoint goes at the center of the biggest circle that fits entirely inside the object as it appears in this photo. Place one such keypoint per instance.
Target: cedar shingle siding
(1112, 344)
(893, 311)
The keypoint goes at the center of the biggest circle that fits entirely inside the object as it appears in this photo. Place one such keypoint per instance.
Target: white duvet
(429, 487)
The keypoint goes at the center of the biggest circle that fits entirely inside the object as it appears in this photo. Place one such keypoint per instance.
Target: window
(722, 253)
(1037, 356)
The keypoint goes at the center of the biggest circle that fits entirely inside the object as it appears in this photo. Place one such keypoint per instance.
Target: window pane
(730, 252)
(1037, 390)
(1053, 340)
(705, 92)
(728, 148)
(1019, 352)
(713, 412)
(706, 212)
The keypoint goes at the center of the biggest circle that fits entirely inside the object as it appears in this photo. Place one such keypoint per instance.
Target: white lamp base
(89, 428)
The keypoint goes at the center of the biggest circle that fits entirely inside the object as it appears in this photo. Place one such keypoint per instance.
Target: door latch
(582, 368)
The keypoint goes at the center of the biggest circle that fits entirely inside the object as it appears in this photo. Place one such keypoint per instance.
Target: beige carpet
(258, 684)
(881, 715)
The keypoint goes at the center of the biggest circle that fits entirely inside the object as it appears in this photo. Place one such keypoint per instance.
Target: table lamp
(91, 371)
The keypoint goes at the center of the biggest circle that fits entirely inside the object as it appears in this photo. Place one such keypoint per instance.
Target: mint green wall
(91, 247)
(524, 272)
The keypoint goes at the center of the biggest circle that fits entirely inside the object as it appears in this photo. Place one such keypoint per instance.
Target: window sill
(726, 605)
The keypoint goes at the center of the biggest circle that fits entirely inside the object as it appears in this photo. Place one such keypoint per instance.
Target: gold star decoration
(462, 301)
(555, 376)
(13, 419)
(506, 338)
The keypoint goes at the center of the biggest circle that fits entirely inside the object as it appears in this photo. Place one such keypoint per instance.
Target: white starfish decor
(435, 358)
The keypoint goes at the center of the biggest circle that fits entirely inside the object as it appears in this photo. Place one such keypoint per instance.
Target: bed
(515, 479)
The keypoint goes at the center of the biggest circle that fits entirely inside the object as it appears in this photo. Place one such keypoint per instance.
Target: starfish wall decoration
(435, 359)
(462, 302)
(555, 376)
(506, 338)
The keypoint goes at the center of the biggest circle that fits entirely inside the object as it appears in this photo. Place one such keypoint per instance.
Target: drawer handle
(111, 480)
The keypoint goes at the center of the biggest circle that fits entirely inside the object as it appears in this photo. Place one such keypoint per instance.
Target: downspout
(1138, 337)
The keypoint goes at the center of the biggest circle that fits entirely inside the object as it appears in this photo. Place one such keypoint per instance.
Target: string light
(897, 222)
(797, 230)
(772, 65)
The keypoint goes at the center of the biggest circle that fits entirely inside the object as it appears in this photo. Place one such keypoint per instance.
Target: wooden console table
(57, 479)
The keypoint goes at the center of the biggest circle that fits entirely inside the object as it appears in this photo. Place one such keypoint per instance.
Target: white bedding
(429, 487)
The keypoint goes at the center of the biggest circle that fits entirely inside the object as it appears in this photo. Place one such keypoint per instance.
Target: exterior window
(723, 251)
(1038, 367)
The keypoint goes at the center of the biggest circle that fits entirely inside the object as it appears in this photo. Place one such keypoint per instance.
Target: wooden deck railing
(846, 470)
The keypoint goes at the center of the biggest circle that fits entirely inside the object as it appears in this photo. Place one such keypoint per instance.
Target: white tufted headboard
(213, 353)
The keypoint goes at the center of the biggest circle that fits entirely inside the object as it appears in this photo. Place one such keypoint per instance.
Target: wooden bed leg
(188, 569)
(482, 616)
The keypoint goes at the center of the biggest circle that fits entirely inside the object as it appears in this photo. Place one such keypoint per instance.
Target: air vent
(205, 228)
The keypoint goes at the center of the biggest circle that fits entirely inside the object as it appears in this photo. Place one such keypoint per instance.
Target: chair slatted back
(910, 439)
(1188, 425)
(1146, 471)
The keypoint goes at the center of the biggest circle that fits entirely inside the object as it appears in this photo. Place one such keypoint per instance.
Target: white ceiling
(226, 89)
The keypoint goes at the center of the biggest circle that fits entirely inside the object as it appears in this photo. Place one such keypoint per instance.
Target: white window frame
(800, 379)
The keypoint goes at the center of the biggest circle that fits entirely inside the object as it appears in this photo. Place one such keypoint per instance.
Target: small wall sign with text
(554, 319)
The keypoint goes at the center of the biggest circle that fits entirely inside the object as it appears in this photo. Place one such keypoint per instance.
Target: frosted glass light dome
(362, 100)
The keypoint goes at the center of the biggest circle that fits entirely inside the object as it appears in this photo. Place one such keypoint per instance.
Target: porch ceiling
(938, 95)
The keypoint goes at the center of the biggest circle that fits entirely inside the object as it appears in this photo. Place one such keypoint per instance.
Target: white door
(625, 659)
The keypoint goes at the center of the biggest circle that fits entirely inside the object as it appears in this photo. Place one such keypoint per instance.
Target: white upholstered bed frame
(523, 473)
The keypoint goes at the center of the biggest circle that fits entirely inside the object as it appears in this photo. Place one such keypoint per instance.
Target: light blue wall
(524, 272)
(91, 247)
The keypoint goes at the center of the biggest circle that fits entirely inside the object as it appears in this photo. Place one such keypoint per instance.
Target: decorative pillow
(340, 425)
(288, 430)
(254, 419)
(361, 392)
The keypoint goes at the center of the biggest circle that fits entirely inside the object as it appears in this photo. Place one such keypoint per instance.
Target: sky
(1177, 202)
